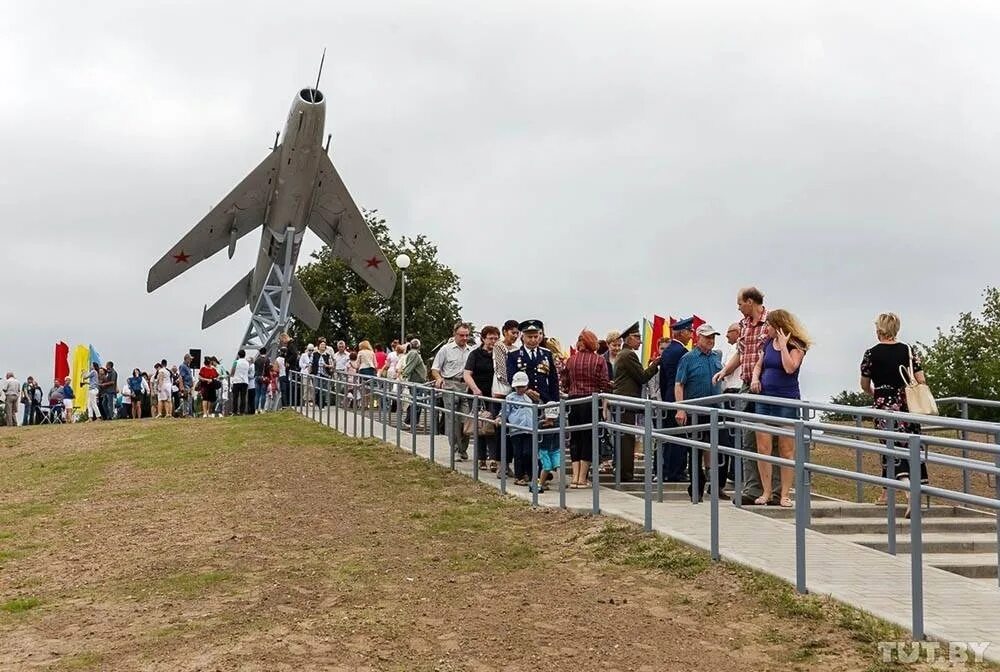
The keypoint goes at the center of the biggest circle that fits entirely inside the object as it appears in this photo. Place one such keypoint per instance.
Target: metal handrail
(721, 414)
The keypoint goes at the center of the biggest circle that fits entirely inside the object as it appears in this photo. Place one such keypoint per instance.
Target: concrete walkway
(956, 608)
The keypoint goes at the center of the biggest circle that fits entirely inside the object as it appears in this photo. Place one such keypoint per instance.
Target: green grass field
(270, 542)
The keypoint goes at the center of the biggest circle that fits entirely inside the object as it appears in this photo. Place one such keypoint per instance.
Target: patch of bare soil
(270, 543)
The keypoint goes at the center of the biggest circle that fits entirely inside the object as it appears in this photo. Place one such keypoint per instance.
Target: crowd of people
(765, 352)
(516, 361)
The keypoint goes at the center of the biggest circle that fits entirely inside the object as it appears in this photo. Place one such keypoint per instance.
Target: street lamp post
(402, 263)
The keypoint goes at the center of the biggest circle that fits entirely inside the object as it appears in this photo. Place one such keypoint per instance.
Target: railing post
(503, 446)
(414, 410)
(449, 425)
(336, 404)
(659, 457)
(647, 456)
(713, 480)
(890, 466)
(916, 542)
(329, 384)
(695, 466)
(475, 438)
(368, 398)
(859, 487)
(800, 510)
(533, 485)
(314, 399)
(965, 451)
(399, 414)
(432, 420)
(595, 454)
(562, 453)
(996, 493)
(383, 417)
(617, 417)
(354, 408)
(359, 394)
(738, 464)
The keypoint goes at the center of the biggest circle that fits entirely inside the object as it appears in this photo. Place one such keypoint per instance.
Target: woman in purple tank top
(776, 374)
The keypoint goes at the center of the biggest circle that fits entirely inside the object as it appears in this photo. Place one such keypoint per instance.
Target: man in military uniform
(543, 379)
(630, 378)
(674, 456)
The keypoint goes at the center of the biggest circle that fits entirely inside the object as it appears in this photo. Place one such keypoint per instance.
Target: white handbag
(501, 388)
(919, 398)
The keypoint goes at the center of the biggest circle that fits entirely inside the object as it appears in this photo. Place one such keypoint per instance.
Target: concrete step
(838, 509)
(972, 565)
(934, 542)
(876, 526)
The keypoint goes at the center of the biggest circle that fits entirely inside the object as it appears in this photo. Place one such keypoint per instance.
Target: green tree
(848, 398)
(352, 311)
(965, 360)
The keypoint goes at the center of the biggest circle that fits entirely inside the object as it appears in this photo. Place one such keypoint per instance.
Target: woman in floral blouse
(881, 378)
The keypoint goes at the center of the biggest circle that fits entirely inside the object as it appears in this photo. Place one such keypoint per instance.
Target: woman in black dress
(479, 375)
(881, 378)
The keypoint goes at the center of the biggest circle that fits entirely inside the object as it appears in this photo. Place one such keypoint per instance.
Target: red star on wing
(374, 262)
(181, 258)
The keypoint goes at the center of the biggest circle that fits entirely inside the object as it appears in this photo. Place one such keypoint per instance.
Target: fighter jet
(294, 187)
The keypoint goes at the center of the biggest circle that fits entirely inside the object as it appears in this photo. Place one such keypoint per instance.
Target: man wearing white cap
(693, 381)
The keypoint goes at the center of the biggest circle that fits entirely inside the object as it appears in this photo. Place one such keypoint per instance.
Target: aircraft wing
(338, 222)
(239, 213)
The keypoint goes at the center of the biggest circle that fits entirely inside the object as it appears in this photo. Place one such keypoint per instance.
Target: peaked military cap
(680, 325)
(532, 325)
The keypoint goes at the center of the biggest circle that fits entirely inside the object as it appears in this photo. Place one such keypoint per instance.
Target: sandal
(763, 500)
(786, 502)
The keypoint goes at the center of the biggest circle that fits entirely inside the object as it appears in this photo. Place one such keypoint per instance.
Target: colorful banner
(81, 365)
(647, 341)
(61, 368)
(95, 357)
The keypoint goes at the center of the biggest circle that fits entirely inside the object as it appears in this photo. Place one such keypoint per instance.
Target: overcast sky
(583, 163)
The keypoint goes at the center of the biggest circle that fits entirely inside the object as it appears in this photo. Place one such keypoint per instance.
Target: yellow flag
(79, 371)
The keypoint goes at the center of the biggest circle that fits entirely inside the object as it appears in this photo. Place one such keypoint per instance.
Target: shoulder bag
(919, 398)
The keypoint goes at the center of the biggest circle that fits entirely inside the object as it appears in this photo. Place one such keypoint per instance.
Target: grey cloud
(579, 162)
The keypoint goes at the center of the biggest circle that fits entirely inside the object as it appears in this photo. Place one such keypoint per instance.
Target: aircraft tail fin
(302, 307)
(231, 301)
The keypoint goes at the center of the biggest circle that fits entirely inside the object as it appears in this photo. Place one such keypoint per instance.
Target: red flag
(62, 361)
(659, 331)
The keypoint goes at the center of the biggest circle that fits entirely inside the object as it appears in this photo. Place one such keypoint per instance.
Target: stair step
(972, 565)
(934, 542)
(876, 526)
(835, 509)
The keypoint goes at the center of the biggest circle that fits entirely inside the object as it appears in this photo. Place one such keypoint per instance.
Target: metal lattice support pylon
(272, 310)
